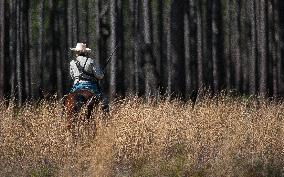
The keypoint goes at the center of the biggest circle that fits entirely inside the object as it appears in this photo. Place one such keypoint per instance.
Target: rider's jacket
(85, 69)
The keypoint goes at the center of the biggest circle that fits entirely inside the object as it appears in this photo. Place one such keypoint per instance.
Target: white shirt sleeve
(71, 71)
(74, 71)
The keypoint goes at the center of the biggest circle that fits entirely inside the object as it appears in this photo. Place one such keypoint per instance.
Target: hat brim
(80, 50)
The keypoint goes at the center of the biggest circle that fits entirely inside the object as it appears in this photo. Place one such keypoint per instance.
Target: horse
(73, 104)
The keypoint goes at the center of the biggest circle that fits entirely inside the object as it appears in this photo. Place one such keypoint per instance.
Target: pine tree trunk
(64, 48)
(207, 43)
(156, 31)
(81, 21)
(177, 48)
(216, 42)
(235, 43)
(2, 48)
(277, 63)
(121, 65)
(244, 43)
(56, 49)
(280, 5)
(87, 30)
(41, 46)
(25, 49)
(70, 15)
(50, 62)
(97, 29)
(112, 44)
(19, 54)
(193, 5)
(262, 34)
(227, 45)
(12, 46)
(187, 52)
(75, 21)
(136, 37)
(272, 49)
(253, 44)
(34, 76)
(149, 67)
(200, 46)
(128, 52)
(169, 50)
(165, 45)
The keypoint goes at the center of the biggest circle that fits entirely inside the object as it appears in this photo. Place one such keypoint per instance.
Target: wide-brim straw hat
(81, 47)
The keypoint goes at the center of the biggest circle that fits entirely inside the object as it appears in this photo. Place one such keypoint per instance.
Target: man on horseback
(86, 74)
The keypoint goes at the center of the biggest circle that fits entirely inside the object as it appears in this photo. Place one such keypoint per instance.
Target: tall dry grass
(219, 136)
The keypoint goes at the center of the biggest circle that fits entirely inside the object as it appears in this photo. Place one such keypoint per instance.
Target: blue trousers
(87, 85)
(93, 87)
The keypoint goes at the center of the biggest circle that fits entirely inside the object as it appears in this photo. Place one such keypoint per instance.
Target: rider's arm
(74, 71)
(71, 72)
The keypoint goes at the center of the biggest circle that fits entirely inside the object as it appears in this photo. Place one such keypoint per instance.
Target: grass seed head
(219, 136)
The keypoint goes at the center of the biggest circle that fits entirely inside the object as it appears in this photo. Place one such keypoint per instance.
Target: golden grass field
(219, 136)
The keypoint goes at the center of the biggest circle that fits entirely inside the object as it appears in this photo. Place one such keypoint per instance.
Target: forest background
(166, 46)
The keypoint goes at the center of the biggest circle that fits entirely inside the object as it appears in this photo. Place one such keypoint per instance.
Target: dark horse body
(75, 101)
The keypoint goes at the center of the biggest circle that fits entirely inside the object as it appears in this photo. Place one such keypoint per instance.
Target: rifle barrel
(109, 58)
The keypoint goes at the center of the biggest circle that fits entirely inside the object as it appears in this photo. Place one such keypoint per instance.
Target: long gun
(109, 58)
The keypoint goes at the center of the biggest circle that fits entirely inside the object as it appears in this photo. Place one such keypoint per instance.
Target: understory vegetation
(216, 136)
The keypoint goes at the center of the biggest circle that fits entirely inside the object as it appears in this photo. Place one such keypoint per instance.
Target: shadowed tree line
(166, 46)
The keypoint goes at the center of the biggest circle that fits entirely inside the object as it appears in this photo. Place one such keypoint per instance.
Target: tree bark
(262, 34)
(207, 43)
(82, 21)
(128, 41)
(253, 44)
(216, 42)
(165, 45)
(2, 48)
(34, 61)
(156, 31)
(227, 45)
(97, 37)
(75, 22)
(112, 44)
(70, 14)
(149, 67)
(19, 54)
(12, 47)
(277, 63)
(64, 48)
(50, 60)
(200, 55)
(280, 5)
(235, 43)
(177, 48)
(193, 6)
(25, 48)
(244, 43)
(272, 49)
(187, 51)
(41, 46)
(169, 49)
(56, 48)
(136, 37)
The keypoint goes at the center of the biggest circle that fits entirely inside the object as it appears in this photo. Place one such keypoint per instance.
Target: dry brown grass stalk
(220, 136)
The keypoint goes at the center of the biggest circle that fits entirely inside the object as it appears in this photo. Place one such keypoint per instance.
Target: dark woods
(167, 46)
